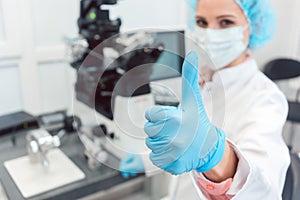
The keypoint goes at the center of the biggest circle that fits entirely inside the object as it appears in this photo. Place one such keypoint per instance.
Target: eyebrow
(221, 16)
(200, 17)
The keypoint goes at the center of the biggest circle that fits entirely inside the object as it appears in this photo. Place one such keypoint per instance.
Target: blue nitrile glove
(131, 165)
(183, 139)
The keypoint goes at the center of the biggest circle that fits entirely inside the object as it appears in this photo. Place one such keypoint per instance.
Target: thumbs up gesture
(183, 139)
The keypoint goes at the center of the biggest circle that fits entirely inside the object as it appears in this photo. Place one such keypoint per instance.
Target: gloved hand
(131, 165)
(183, 139)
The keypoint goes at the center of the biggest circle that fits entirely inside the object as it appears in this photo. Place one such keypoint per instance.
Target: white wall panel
(10, 92)
(145, 13)
(54, 19)
(55, 86)
(10, 29)
(286, 41)
(2, 34)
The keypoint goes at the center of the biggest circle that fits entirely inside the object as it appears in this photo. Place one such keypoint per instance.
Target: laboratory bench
(101, 182)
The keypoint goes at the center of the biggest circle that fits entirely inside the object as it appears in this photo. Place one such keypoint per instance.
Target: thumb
(191, 95)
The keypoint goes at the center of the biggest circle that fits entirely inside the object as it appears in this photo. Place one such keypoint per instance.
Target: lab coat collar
(238, 74)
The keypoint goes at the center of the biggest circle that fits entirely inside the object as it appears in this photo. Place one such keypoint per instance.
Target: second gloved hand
(183, 139)
(131, 165)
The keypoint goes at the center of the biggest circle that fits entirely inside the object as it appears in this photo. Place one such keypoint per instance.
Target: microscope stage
(33, 179)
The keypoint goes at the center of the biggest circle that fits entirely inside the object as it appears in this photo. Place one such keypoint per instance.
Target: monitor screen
(170, 61)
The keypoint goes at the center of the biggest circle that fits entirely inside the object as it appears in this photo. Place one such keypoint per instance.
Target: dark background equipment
(95, 25)
(59, 120)
(94, 22)
(96, 80)
(18, 121)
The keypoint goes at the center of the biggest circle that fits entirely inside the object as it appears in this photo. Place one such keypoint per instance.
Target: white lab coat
(252, 111)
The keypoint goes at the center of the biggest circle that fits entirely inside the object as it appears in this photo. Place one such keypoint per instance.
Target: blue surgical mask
(223, 46)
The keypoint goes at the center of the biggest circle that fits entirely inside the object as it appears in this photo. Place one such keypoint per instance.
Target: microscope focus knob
(112, 135)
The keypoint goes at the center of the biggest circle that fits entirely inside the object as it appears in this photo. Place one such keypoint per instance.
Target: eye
(226, 23)
(202, 23)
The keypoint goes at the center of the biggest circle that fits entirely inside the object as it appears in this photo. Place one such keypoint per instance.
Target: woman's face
(221, 14)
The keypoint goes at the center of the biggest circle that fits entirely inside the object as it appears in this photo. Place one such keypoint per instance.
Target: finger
(158, 145)
(176, 168)
(191, 95)
(164, 158)
(165, 128)
(158, 113)
(154, 130)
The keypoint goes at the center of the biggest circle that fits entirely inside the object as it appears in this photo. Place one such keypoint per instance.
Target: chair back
(280, 69)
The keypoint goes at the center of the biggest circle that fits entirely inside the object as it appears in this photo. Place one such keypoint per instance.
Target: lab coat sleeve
(228, 188)
(263, 155)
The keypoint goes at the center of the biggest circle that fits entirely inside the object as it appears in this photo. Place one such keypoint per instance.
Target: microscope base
(33, 179)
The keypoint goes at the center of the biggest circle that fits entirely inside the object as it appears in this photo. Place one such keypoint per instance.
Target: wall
(286, 42)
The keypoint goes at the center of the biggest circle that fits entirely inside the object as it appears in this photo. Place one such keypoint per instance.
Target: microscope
(115, 76)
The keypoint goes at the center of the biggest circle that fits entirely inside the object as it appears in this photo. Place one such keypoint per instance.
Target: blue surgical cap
(260, 15)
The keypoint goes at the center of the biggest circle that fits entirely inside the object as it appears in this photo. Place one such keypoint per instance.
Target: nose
(213, 26)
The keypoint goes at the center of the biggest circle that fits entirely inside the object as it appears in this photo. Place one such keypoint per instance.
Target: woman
(246, 158)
